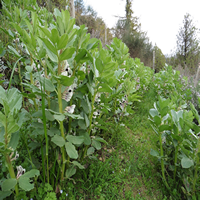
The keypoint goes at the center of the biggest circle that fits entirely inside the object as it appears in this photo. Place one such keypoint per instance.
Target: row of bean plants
(172, 119)
(61, 89)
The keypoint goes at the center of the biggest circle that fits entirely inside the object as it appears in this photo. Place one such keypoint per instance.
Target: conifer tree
(188, 51)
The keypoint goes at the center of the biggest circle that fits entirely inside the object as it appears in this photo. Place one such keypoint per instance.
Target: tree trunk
(72, 9)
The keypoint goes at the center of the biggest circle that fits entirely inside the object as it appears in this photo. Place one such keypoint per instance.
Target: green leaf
(78, 165)
(60, 117)
(71, 150)
(49, 45)
(45, 31)
(9, 184)
(81, 54)
(2, 119)
(186, 162)
(58, 140)
(90, 151)
(153, 112)
(82, 125)
(30, 174)
(48, 84)
(70, 171)
(14, 140)
(75, 139)
(100, 139)
(154, 153)
(54, 36)
(99, 65)
(84, 105)
(73, 116)
(157, 120)
(164, 127)
(66, 81)
(14, 99)
(49, 116)
(14, 51)
(12, 127)
(62, 42)
(174, 117)
(67, 53)
(87, 139)
(4, 194)
(104, 88)
(96, 144)
(24, 184)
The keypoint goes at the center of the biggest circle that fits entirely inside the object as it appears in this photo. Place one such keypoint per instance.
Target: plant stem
(162, 161)
(175, 161)
(32, 83)
(11, 172)
(197, 165)
(43, 167)
(61, 122)
(8, 161)
(45, 134)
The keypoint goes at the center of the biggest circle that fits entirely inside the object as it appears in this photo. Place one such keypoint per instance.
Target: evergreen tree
(128, 29)
(188, 50)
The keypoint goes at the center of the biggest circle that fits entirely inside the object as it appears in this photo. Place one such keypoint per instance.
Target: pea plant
(68, 84)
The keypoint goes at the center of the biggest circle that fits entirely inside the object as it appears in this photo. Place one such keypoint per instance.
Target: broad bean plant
(68, 83)
(178, 146)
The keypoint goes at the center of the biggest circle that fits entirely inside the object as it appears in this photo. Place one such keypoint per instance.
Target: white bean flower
(70, 109)
(20, 171)
(67, 94)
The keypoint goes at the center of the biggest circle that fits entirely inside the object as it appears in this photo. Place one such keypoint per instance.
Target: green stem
(197, 165)
(46, 136)
(175, 161)
(20, 77)
(162, 162)
(43, 167)
(91, 114)
(11, 172)
(8, 161)
(61, 122)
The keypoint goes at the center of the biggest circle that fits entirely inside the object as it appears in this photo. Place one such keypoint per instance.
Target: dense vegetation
(80, 121)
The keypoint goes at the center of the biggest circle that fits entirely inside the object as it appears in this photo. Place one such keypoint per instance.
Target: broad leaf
(75, 139)
(67, 53)
(9, 184)
(71, 150)
(78, 165)
(24, 184)
(96, 144)
(70, 171)
(58, 140)
(90, 151)
(4, 194)
(66, 81)
(154, 153)
(30, 174)
(186, 162)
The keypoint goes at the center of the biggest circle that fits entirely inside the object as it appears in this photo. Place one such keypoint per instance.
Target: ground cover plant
(74, 116)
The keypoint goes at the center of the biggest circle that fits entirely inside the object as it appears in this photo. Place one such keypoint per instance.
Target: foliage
(96, 26)
(188, 44)
(128, 29)
(70, 85)
(159, 59)
(172, 120)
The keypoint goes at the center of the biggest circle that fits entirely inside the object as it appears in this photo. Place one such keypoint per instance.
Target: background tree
(96, 26)
(159, 59)
(188, 51)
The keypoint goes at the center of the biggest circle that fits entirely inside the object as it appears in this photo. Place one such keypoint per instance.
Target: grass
(124, 169)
